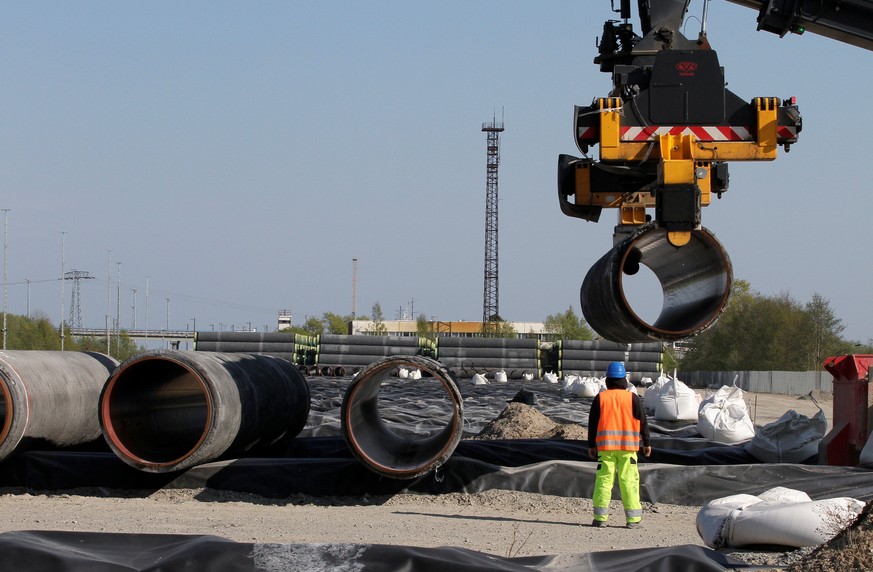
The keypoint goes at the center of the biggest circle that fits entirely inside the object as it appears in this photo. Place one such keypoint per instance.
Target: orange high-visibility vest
(618, 429)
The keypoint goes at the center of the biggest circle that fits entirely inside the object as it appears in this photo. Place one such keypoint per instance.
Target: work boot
(635, 525)
(598, 523)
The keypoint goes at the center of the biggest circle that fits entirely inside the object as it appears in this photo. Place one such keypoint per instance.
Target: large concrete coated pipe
(695, 280)
(376, 444)
(50, 397)
(164, 411)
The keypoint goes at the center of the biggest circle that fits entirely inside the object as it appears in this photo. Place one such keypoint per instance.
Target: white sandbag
(569, 381)
(653, 394)
(500, 376)
(550, 377)
(479, 379)
(676, 402)
(725, 393)
(726, 422)
(774, 519)
(527, 376)
(415, 374)
(793, 438)
(403, 373)
(586, 387)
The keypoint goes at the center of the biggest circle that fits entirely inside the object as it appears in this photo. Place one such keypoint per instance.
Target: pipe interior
(158, 411)
(694, 278)
(383, 445)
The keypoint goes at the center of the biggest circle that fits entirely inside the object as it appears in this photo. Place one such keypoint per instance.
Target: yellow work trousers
(625, 464)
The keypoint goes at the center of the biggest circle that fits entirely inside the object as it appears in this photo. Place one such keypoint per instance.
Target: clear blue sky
(241, 154)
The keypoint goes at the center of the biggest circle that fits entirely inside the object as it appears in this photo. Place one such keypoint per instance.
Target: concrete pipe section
(164, 411)
(695, 283)
(50, 398)
(371, 437)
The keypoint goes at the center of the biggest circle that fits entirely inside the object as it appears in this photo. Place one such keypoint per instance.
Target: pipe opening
(643, 293)
(157, 411)
(373, 434)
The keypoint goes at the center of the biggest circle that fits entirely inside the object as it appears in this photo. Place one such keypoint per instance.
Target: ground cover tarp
(106, 552)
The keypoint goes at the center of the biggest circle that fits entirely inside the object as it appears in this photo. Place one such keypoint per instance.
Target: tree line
(38, 333)
(758, 332)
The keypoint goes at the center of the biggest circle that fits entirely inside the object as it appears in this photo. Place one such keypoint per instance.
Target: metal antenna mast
(490, 305)
(76, 302)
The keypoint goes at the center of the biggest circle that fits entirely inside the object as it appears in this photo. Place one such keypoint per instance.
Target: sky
(233, 158)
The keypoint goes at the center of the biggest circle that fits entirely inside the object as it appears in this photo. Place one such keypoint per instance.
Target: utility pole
(118, 307)
(147, 311)
(108, 302)
(354, 286)
(133, 311)
(5, 276)
(63, 233)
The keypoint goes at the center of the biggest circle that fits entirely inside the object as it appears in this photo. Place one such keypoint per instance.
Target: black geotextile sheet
(107, 552)
(684, 469)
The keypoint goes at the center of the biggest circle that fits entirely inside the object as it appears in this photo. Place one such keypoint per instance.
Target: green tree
(822, 334)
(336, 324)
(423, 328)
(38, 333)
(377, 327)
(497, 327)
(313, 326)
(567, 326)
(759, 332)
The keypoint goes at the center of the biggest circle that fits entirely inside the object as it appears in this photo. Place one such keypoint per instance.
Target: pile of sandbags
(582, 386)
(779, 516)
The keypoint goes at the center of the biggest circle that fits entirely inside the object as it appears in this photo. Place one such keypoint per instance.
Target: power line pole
(354, 286)
(63, 262)
(108, 302)
(5, 276)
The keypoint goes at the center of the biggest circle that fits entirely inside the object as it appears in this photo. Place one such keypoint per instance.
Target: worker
(616, 424)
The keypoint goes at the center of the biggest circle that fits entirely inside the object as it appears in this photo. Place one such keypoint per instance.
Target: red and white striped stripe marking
(700, 132)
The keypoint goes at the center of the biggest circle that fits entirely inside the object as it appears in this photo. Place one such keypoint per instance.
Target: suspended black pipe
(695, 280)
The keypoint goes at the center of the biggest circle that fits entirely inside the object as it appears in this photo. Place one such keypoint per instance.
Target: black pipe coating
(165, 411)
(695, 280)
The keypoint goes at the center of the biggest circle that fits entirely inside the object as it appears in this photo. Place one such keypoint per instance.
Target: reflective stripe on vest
(618, 429)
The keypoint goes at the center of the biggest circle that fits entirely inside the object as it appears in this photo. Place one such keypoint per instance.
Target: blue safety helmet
(616, 371)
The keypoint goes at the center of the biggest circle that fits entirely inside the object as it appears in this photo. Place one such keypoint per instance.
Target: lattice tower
(76, 303)
(491, 298)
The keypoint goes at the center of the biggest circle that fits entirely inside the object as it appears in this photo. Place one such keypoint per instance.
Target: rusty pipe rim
(383, 450)
(6, 408)
(124, 397)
